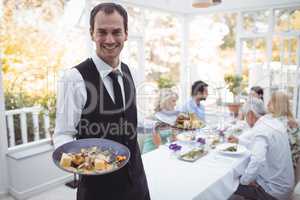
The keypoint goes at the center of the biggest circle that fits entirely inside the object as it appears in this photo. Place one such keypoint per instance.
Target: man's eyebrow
(117, 29)
(103, 29)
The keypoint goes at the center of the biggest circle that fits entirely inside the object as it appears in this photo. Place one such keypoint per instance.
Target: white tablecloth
(213, 177)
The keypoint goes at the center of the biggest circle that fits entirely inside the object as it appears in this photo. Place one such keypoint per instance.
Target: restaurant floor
(63, 193)
(58, 193)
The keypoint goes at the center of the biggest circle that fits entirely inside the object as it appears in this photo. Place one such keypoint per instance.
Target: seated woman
(275, 107)
(165, 107)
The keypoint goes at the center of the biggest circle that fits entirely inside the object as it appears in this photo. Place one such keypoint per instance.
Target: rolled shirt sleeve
(258, 157)
(247, 138)
(71, 98)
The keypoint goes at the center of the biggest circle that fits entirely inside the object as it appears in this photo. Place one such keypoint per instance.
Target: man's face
(201, 96)
(109, 36)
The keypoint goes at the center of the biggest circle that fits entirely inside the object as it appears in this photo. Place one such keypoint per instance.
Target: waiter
(97, 99)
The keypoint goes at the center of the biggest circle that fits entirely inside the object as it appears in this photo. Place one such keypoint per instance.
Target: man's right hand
(232, 139)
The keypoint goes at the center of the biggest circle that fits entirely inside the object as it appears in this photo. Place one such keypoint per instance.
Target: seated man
(199, 93)
(246, 139)
(269, 174)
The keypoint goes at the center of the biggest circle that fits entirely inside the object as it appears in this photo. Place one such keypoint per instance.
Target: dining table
(215, 176)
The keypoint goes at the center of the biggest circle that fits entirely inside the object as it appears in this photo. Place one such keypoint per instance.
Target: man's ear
(91, 33)
(253, 116)
(126, 35)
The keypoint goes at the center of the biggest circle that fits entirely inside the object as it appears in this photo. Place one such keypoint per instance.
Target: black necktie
(117, 89)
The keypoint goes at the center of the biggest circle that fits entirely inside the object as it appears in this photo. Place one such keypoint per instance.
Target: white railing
(22, 114)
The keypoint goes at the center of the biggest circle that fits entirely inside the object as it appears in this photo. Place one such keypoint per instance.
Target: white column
(83, 23)
(298, 78)
(184, 65)
(238, 46)
(3, 134)
(271, 23)
(86, 18)
(238, 43)
(1, 9)
(3, 141)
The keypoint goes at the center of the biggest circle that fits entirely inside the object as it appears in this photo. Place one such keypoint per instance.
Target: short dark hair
(258, 90)
(198, 86)
(108, 8)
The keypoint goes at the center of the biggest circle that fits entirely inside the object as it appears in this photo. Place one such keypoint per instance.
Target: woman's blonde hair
(279, 105)
(164, 96)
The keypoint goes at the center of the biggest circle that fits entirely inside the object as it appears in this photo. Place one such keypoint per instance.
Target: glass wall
(39, 39)
(212, 53)
(153, 51)
(270, 50)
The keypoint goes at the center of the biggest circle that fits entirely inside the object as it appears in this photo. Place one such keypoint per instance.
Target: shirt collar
(103, 68)
(193, 102)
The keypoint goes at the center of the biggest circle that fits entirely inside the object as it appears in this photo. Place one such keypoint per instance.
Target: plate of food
(181, 121)
(92, 156)
(188, 121)
(231, 149)
(192, 155)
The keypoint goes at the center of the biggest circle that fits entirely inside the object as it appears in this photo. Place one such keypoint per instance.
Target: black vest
(100, 119)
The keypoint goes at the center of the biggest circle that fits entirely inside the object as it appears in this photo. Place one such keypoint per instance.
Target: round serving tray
(103, 144)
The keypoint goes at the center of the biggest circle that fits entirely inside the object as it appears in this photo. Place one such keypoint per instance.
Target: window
(256, 22)
(212, 44)
(135, 20)
(287, 20)
(34, 49)
(162, 46)
(275, 66)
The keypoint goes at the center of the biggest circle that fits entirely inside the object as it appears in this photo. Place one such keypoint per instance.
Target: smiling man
(109, 34)
(96, 99)
(199, 93)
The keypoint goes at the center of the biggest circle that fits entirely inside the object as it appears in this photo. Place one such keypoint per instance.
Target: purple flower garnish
(174, 147)
(221, 133)
(201, 140)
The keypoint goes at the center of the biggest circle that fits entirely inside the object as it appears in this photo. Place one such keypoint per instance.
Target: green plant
(48, 102)
(164, 82)
(235, 84)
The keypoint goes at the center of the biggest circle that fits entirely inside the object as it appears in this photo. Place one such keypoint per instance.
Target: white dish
(192, 155)
(167, 117)
(222, 148)
(185, 137)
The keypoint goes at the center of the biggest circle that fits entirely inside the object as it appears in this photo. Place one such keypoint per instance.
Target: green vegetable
(231, 149)
(192, 154)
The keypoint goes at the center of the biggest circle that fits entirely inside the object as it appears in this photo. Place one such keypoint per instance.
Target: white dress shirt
(247, 138)
(271, 161)
(72, 96)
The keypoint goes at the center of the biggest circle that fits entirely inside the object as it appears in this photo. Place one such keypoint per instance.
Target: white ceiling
(185, 6)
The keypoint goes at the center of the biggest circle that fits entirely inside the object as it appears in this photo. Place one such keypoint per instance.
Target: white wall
(41, 172)
(3, 141)
(1, 9)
